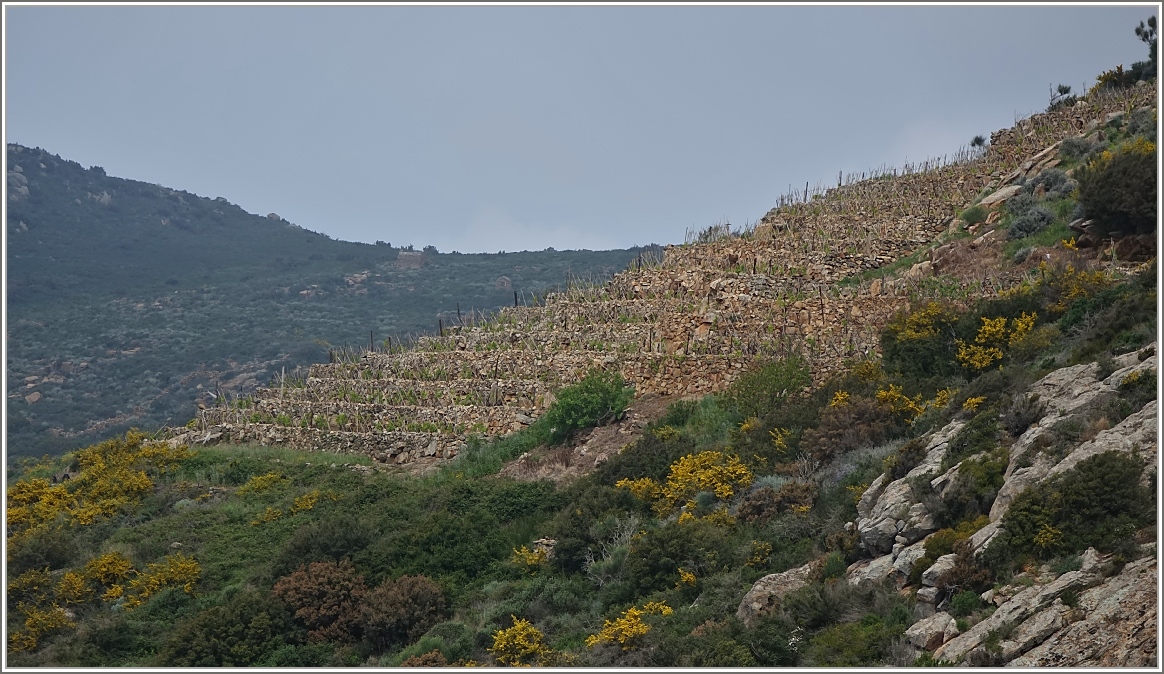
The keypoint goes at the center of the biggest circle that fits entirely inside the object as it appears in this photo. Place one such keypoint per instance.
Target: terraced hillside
(819, 276)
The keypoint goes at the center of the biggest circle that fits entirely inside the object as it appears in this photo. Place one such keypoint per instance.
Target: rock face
(888, 510)
(1116, 625)
(930, 632)
(767, 592)
(1080, 618)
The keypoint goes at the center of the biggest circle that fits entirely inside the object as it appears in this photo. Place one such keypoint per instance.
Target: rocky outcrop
(767, 592)
(931, 632)
(1113, 625)
(888, 514)
(1103, 622)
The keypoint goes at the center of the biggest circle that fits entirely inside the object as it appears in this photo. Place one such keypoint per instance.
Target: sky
(488, 128)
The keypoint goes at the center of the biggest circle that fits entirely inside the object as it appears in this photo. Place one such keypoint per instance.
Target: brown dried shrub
(399, 611)
(326, 598)
(860, 422)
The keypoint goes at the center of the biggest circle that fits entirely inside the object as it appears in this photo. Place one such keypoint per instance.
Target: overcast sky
(481, 129)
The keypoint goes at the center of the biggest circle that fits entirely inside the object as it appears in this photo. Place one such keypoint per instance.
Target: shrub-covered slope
(128, 302)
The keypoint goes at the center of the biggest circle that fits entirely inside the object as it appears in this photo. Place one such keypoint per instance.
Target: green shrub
(1022, 411)
(601, 397)
(981, 434)
(1055, 182)
(906, 458)
(974, 215)
(834, 566)
(330, 539)
(964, 603)
(656, 556)
(1030, 222)
(766, 385)
(243, 632)
(1075, 148)
(1098, 503)
(1118, 189)
(859, 644)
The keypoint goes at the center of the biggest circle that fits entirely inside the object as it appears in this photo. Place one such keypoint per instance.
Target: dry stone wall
(688, 324)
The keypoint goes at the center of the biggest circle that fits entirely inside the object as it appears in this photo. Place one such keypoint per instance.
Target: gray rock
(929, 633)
(903, 563)
(940, 566)
(1138, 431)
(928, 595)
(766, 593)
(870, 571)
(1000, 196)
(1118, 628)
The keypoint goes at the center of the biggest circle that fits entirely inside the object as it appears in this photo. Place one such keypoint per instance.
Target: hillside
(907, 421)
(128, 303)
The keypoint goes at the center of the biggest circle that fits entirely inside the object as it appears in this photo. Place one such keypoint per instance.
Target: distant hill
(130, 302)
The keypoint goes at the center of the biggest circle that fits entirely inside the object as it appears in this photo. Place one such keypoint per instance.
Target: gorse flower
(629, 627)
(520, 645)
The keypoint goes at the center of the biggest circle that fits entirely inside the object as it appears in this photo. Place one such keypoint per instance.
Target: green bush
(767, 385)
(964, 603)
(656, 556)
(1118, 190)
(1032, 221)
(243, 632)
(974, 215)
(1098, 503)
(906, 458)
(601, 397)
(863, 643)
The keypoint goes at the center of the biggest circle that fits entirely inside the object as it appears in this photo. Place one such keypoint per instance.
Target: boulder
(903, 563)
(1117, 628)
(870, 571)
(929, 633)
(999, 197)
(767, 592)
(1020, 607)
(941, 565)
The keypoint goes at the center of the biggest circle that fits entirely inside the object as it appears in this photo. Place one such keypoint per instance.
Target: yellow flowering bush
(260, 483)
(529, 560)
(108, 568)
(627, 628)
(760, 556)
(971, 404)
(992, 336)
(520, 645)
(113, 475)
(73, 588)
(839, 398)
(38, 622)
(899, 403)
(268, 515)
(685, 578)
(921, 323)
(305, 502)
(711, 471)
(177, 570)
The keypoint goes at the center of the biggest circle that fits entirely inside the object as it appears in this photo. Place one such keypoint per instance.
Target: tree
(1147, 35)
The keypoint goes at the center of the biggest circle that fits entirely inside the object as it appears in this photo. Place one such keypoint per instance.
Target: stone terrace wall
(687, 325)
